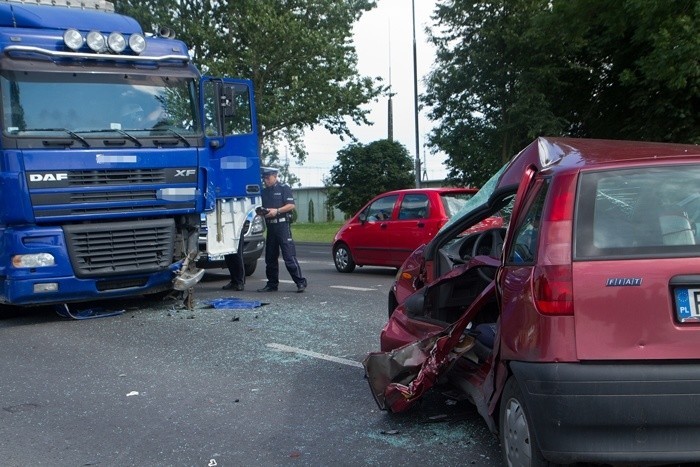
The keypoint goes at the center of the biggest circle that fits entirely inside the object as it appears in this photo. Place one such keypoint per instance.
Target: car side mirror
(363, 217)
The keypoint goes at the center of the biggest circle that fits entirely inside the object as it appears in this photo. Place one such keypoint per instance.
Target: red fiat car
(391, 226)
(575, 327)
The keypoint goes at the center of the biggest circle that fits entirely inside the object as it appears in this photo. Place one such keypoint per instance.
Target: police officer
(277, 199)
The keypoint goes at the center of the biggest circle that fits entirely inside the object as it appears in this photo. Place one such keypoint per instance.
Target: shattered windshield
(43, 104)
(479, 199)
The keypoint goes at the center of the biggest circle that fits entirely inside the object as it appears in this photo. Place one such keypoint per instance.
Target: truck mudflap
(400, 377)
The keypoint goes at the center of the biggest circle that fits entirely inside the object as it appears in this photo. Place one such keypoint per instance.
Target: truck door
(233, 171)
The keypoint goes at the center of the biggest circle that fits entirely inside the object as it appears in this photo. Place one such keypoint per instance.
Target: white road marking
(309, 353)
(347, 287)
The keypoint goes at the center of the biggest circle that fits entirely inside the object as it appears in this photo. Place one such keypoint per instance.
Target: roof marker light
(137, 43)
(73, 39)
(96, 41)
(116, 42)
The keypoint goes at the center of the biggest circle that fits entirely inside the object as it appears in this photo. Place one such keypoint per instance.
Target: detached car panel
(574, 326)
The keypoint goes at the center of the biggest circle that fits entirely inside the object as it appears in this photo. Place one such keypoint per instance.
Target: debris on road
(64, 311)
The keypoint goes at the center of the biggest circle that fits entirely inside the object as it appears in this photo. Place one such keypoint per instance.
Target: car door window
(414, 206)
(524, 247)
(381, 209)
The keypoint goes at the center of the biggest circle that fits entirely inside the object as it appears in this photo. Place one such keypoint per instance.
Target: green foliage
(638, 74)
(330, 212)
(508, 71)
(364, 171)
(488, 87)
(311, 217)
(320, 232)
(298, 53)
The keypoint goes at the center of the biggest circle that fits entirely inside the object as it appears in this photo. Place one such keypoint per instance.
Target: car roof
(440, 190)
(563, 154)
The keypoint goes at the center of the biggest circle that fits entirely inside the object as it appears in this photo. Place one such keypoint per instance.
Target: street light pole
(415, 95)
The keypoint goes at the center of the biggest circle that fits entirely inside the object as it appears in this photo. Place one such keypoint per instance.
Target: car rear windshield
(453, 202)
(641, 212)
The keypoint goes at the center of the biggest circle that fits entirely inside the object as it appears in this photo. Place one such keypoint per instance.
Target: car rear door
(413, 225)
(636, 269)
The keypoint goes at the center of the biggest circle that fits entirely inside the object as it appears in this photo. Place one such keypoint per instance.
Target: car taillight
(554, 294)
(553, 278)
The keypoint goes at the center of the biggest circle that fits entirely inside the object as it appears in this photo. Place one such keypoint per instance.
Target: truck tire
(250, 267)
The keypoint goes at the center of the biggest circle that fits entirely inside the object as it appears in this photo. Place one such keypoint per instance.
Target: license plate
(687, 304)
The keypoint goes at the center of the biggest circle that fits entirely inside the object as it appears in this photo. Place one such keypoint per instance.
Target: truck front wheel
(250, 267)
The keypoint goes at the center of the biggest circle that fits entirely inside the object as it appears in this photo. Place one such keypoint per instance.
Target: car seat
(676, 229)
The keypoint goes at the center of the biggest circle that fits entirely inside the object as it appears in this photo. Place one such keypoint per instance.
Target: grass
(319, 232)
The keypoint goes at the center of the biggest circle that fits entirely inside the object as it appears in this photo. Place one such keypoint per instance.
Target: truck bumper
(23, 292)
(613, 412)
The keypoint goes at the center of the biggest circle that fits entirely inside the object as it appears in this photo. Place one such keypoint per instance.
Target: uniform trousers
(279, 238)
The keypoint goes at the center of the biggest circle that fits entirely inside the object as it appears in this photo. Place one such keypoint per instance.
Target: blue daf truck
(113, 145)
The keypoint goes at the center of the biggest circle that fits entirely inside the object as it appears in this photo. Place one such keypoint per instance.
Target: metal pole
(415, 95)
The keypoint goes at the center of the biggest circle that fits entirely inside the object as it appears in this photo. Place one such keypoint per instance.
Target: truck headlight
(36, 260)
(258, 225)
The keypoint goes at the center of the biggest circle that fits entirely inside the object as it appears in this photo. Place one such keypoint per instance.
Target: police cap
(269, 171)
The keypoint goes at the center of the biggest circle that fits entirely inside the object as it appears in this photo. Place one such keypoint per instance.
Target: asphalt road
(280, 384)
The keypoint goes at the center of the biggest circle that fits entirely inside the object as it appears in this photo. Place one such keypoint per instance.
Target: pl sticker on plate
(687, 304)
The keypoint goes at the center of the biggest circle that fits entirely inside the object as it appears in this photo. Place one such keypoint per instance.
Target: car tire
(343, 258)
(250, 267)
(392, 303)
(517, 436)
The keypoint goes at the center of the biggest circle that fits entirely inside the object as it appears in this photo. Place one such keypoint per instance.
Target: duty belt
(275, 221)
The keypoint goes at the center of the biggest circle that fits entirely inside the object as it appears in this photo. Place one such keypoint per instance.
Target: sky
(384, 43)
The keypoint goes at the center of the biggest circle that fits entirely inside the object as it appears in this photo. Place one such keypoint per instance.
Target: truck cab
(112, 146)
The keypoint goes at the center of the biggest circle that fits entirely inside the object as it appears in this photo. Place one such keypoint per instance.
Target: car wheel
(250, 267)
(392, 303)
(343, 258)
(518, 442)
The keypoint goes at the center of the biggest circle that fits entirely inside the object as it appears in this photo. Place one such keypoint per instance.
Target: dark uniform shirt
(277, 196)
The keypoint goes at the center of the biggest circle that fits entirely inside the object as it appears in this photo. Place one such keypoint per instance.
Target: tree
(364, 171)
(298, 53)
(635, 66)
(508, 71)
(489, 84)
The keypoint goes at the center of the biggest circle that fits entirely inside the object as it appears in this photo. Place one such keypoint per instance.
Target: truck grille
(80, 193)
(116, 177)
(120, 247)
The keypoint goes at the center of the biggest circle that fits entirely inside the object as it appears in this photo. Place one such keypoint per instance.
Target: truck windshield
(39, 103)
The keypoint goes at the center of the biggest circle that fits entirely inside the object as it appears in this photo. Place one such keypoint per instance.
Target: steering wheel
(489, 243)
